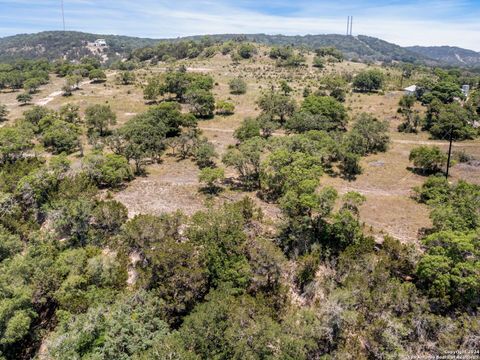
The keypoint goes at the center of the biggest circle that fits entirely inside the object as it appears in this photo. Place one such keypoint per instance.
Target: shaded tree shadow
(424, 172)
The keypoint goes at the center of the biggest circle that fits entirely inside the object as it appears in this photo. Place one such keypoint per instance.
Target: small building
(100, 43)
(411, 90)
(465, 90)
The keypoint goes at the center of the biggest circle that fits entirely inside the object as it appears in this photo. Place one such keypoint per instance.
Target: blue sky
(406, 22)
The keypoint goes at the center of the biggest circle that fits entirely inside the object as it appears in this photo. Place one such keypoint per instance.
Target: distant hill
(70, 44)
(449, 55)
(360, 47)
(74, 45)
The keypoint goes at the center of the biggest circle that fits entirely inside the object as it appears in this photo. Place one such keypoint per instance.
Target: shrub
(249, 128)
(126, 77)
(3, 113)
(237, 86)
(107, 170)
(429, 159)
(99, 117)
(211, 177)
(224, 108)
(97, 75)
(318, 62)
(369, 80)
(246, 50)
(319, 113)
(24, 98)
(368, 135)
(61, 136)
(202, 102)
(14, 142)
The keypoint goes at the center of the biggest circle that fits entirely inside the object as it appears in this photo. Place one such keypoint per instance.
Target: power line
(449, 152)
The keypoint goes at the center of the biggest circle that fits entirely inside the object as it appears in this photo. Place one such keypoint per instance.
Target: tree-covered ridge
(450, 55)
(56, 44)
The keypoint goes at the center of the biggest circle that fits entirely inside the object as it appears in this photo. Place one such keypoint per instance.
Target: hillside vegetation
(70, 45)
(58, 44)
(450, 55)
(231, 200)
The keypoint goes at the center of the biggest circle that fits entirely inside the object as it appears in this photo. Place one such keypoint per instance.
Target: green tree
(140, 138)
(319, 113)
(3, 113)
(72, 82)
(224, 108)
(369, 80)
(276, 105)
(14, 143)
(31, 85)
(180, 82)
(446, 91)
(109, 170)
(126, 77)
(99, 118)
(411, 117)
(281, 52)
(202, 103)
(443, 119)
(70, 113)
(368, 135)
(108, 217)
(204, 153)
(285, 88)
(246, 159)
(454, 207)
(176, 270)
(318, 62)
(35, 115)
(153, 89)
(237, 86)
(97, 75)
(10, 244)
(349, 165)
(449, 270)
(330, 52)
(284, 170)
(24, 98)
(429, 159)
(249, 128)
(121, 330)
(246, 50)
(212, 177)
(61, 137)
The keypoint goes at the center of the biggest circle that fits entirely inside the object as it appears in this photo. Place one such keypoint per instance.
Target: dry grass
(173, 185)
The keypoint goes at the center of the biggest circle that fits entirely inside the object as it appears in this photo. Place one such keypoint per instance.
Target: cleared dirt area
(173, 185)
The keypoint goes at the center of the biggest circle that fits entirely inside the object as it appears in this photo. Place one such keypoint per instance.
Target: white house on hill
(100, 43)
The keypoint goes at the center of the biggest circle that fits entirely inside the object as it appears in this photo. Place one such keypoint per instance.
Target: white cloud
(401, 22)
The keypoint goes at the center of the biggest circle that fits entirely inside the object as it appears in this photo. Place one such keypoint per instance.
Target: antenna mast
(63, 16)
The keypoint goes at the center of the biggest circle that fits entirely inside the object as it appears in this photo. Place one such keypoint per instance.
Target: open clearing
(173, 185)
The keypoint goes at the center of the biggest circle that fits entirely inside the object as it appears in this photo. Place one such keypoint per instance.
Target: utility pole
(449, 151)
(63, 16)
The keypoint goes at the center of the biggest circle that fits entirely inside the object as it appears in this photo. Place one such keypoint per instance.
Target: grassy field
(173, 185)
